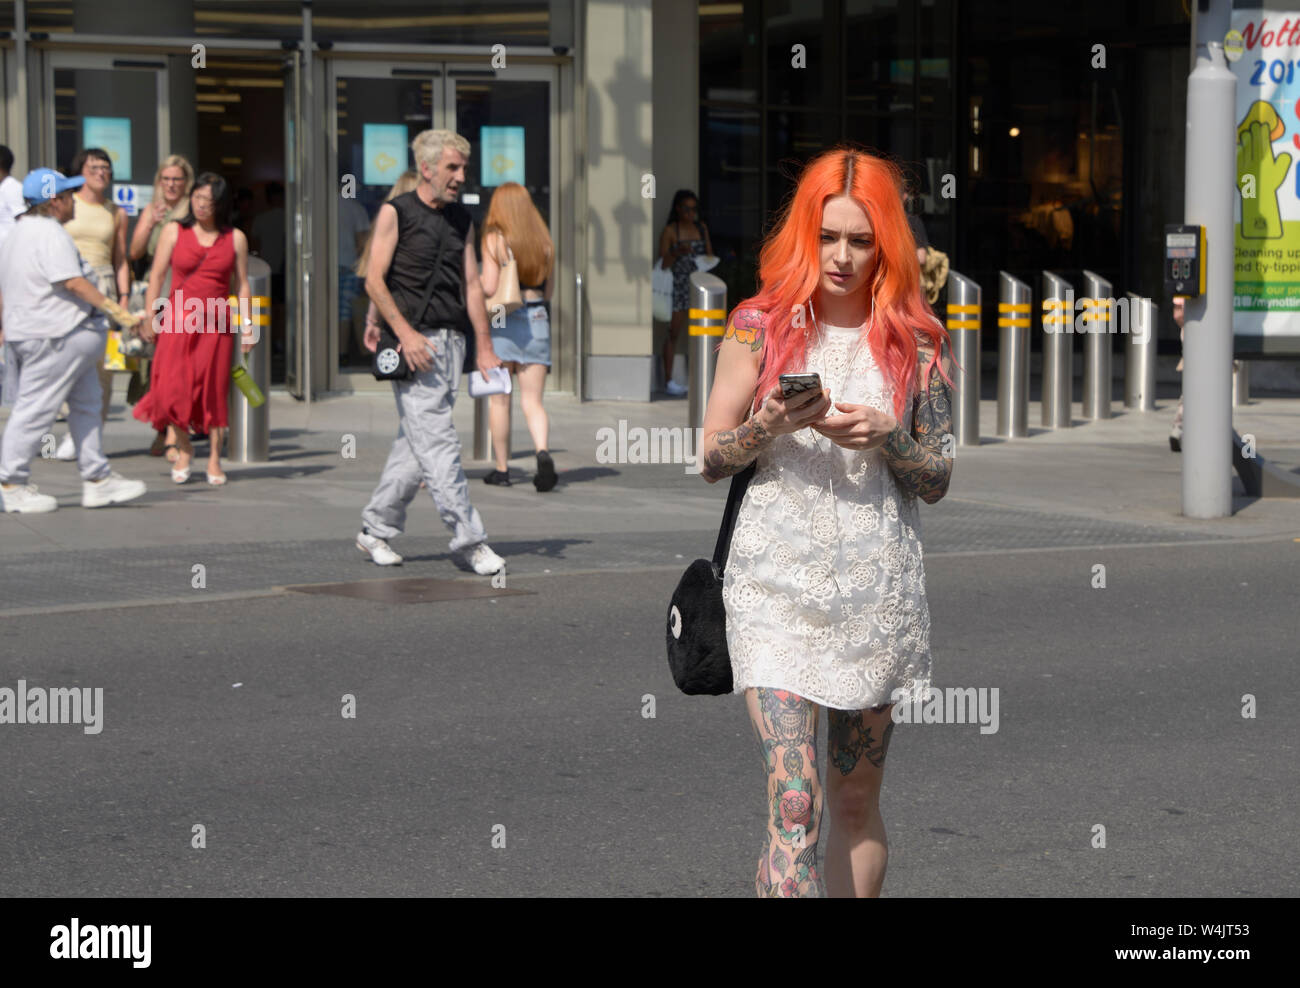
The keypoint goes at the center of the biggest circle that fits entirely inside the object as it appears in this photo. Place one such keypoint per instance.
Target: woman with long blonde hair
(824, 589)
(523, 339)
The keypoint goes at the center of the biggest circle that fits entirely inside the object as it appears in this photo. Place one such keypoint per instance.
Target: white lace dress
(824, 586)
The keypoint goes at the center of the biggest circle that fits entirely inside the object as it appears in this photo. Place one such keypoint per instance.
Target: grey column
(1140, 354)
(1058, 351)
(1099, 320)
(705, 326)
(1015, 301)
(964, 315)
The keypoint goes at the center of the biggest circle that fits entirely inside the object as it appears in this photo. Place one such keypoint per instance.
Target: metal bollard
(483, 431)
(708, 320)
(1014, 302)
(250, 428)
(1057, 378)
(1099, 321)
(964, 299)
(1140, 357)
(1241, 383)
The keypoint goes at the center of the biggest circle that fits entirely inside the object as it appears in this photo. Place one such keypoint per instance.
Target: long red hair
(789, 271)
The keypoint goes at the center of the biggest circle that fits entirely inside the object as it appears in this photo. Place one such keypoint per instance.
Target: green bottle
(245, 383)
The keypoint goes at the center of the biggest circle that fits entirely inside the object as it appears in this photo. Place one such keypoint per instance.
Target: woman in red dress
(191, 366)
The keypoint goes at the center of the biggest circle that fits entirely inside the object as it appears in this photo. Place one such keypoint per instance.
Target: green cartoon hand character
(1257, 167)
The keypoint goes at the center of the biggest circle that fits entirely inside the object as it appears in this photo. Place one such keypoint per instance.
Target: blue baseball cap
(45, 183)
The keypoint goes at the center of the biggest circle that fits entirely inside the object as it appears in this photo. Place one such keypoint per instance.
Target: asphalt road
(1119, 706)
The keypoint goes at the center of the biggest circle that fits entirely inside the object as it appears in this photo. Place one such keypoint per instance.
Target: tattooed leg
(786, 727)
(857, 849)
(919, 463)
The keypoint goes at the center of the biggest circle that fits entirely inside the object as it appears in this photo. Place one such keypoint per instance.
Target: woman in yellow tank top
(98, 228)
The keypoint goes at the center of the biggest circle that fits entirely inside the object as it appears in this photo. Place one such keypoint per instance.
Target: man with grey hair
(422, 235)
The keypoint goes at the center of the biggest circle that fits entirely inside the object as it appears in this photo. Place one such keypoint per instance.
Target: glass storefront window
(793, 137)
(729, 52)
(505, 22)
(809, 76)
(730, 185)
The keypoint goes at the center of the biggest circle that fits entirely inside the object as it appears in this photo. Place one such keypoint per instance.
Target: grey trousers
(48, 373)
(427, 448)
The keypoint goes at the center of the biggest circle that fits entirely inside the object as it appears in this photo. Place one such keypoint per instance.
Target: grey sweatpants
(427, 448)
(48, 373)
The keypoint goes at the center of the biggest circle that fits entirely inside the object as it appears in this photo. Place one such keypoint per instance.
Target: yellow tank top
(91, 229)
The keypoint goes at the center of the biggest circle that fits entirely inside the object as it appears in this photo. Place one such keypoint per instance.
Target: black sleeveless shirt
(419, 228)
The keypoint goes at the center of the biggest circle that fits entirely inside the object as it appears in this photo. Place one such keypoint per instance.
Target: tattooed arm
(732, 437)
(917, 459)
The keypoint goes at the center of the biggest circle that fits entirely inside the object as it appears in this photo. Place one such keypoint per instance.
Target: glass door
(118, 103)
(378, 110)
(288, 352)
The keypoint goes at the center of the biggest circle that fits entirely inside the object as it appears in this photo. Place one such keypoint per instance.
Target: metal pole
(1014, 302)
(1207, 345)
(577, 321)
(1057, 378)
(964, 302)
(250, 428)
(1140, 354)
(708, 318)
(307, 138)
(23, 156)
(1099, 321)
(1241, 383)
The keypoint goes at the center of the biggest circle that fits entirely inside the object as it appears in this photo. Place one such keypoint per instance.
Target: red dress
(190, 378)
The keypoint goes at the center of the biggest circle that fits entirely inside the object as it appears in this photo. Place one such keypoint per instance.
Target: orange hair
(789, 272)
(513, 215)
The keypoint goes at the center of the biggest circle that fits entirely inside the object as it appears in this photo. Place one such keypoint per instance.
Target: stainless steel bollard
(1014, 302)
(964, 300)
(707, 322)
(482, 432)
(1099, 319)
(1057, 379)
(250, 428)
(1241, 383)
(1140, 354)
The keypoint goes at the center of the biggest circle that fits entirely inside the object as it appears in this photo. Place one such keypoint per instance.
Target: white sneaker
(380, 551)
(67, 449)
(24, 499)
(673, 388)
(113, 489)
(480, 559)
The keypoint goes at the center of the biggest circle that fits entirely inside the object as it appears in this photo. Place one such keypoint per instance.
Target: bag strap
(735, 496)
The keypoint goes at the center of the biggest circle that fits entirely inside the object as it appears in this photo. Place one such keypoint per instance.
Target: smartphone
(794, 384)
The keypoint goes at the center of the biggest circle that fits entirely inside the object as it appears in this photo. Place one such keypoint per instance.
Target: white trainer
(480, 559)
(113, 489)
(25, 499)
(380, 551)
(67, 449)
(673, 388)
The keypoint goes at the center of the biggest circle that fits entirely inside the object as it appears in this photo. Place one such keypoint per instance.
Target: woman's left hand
(861, 427)
(246, 343)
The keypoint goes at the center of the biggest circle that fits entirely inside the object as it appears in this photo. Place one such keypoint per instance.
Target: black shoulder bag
(697, 619)
(387, 363)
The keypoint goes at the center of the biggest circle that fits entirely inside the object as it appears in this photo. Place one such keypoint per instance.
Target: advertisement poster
(1267, 210)
(113, 134)
(503, 155)
(384, 150)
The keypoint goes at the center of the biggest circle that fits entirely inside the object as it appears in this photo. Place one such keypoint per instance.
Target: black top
(414, 262)
(918, 230)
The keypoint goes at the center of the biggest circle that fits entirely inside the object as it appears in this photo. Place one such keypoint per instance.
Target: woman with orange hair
(514, 226)
(824, 589)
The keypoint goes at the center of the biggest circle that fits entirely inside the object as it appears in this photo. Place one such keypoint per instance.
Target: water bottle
(245, 383)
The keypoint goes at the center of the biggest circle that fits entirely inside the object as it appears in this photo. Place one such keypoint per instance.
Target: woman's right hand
(782, 416)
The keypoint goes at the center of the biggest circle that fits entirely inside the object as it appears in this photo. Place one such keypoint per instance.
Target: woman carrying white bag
(518, 257)
(684, 240)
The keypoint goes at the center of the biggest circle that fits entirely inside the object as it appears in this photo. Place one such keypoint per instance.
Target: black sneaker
(545, 478)
(498, 478)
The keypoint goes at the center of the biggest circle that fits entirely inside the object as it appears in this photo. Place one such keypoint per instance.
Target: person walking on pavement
(11, 194)
(98, 228)
(57, 341)
(172, 185)
(684, 237)
(190, 382)
(515, 227)
(421, 235)
(824, 589)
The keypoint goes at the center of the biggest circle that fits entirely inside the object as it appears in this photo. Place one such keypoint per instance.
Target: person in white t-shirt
(11, 194)
(56, 340)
